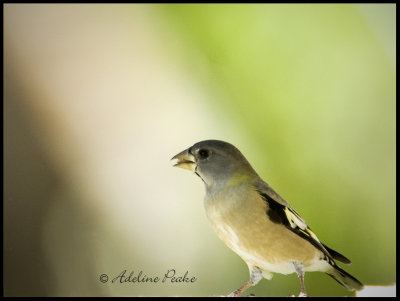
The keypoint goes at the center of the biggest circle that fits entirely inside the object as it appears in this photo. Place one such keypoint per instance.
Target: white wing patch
(312, 234)
(297, 222)
(294, 219)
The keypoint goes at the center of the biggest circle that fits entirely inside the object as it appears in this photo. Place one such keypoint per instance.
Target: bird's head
(216, 162)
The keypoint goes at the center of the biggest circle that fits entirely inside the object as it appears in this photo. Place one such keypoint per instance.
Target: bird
(253, 220)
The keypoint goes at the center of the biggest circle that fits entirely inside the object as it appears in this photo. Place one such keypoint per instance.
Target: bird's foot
(303, 294)
(234, 294)
(238, 295)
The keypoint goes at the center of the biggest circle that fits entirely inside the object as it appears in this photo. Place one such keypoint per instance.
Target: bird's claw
(303, 294)
(234, 294)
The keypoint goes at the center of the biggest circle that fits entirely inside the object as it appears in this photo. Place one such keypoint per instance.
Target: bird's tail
(345, 279)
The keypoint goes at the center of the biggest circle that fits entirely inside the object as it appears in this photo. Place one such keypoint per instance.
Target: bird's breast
(239, 218)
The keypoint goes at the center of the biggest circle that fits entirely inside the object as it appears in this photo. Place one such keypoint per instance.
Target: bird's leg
(255, 277)
(300, 272)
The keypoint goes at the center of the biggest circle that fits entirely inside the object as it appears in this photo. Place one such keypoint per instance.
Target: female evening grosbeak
(255, 221)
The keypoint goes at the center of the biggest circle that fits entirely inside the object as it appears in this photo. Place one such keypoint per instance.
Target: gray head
(215, 162)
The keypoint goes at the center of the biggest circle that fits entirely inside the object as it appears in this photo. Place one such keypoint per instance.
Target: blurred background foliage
(99, 97)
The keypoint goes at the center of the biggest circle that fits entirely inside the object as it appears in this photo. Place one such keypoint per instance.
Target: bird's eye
(203, 153)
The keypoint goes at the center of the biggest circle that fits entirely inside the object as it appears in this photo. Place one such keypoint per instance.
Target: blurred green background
(98, 98)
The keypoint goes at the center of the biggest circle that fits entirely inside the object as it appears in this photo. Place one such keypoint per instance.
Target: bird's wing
(279, 211)
(337, 255)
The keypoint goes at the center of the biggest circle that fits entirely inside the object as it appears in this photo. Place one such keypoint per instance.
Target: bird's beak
(185, 160)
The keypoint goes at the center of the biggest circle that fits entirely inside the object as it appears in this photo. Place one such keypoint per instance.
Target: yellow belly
(243, 225)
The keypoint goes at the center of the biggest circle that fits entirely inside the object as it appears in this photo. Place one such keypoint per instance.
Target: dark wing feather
(284, 214)
(337, 255)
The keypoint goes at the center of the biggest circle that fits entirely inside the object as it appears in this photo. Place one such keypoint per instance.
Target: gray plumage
(253, 220)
